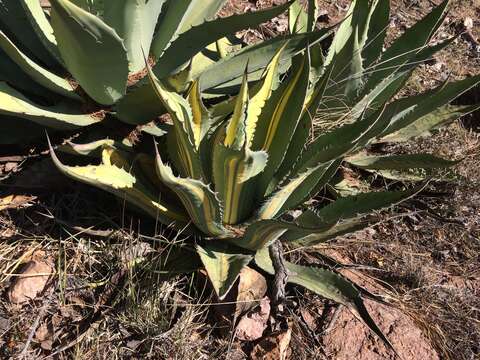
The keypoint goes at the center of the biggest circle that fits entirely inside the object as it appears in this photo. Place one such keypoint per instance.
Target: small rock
(32, 281)
(468, 23)
(350, 338)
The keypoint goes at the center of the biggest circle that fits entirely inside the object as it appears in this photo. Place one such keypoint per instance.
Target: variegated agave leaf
(235, 167)
(91, 55)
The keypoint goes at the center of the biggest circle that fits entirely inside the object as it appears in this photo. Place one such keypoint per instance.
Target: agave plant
(230, 174)
(361, 69)
(84, 60)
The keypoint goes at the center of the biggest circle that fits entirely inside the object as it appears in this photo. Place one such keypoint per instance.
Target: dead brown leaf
(43, 333)
(309, 319)
(32, 281)
(251, 288)
(7, 233)
(275, 347)
(47, 345)
(15, 201)
(252, 325)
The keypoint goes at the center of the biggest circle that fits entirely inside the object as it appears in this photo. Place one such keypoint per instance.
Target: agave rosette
(83, 60)
(232, 173)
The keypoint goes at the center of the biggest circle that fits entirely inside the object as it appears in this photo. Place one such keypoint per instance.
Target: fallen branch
(281, 274)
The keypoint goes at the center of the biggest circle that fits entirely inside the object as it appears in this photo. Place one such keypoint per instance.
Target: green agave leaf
(301, 21)
(139, 106)
(328, 284)
(59, 117)
(94, 7)
(321, 234)
(411, 175)
(258, 56)
(223, 265)
(93, 52)
(13, 74)
(436, 119)
(353, 206)
(201, 120)
(345, 32)
(233, 172)
(321, 159)
(312, 11)
(200, 201)
(147, 173)
(261, 93)
(345, 53)
(93, 149)
(40, 23)
(274, 131)
(207, 57)
(399, 162)
(404, 49)
(338, 143)
(298, 189)
(295, 148)
(235, 131)
(200, 11)
(231, 87)
(173, 17)
(261, 234)
(377, 30)
(182, 137)
(15, 22)
(112, 176)
(179, 17)
(134, 21)
(36, 72)
(357, 43)
(181, 80)
(235, 165)
(375, 98)
(297, 18)
(406, 111)
(213, 137)
(198, 37)
(299, 140)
